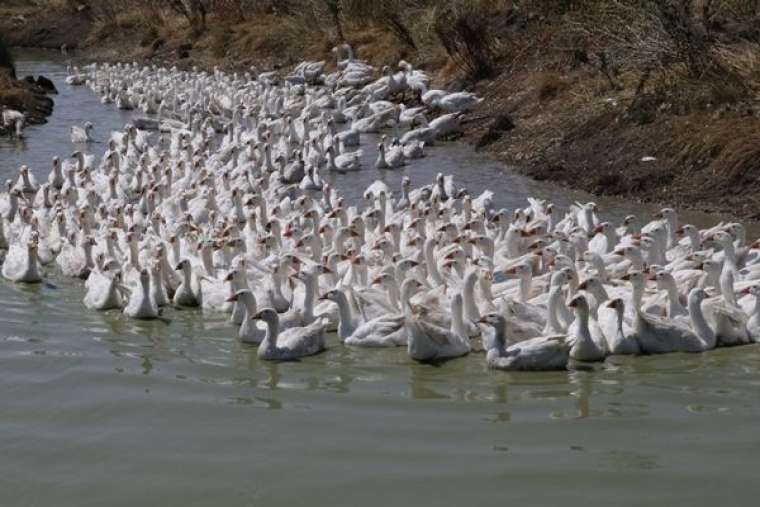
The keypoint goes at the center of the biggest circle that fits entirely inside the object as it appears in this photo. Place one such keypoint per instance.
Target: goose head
(664, 280)
(579, 304)
(685, 230)
(667, 214)
(591, 284)
(334, 295)
(493, 319)
(603, 228)
(520, 270)
(239, 295)
(382, 279)
(618, 305)
(634, 277)
(267, 315)
(711, 267)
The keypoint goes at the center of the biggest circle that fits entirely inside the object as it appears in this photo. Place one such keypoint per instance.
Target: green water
(98, 410)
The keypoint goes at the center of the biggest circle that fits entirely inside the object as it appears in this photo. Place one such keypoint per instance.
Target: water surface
(99, 410)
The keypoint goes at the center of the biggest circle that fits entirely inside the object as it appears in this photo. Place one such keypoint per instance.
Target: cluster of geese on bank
(224, 209)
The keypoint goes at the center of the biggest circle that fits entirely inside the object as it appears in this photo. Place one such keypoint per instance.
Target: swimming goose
(430, 342)
(616, 331)
(250, 331)
(583, 346)
(82, 134)
(291, 344)
(26, 182)
(76, 260)
(188, 292)
(656, 335)
(21, 264)
(141, 304)
(384, 331)
(389, 159)
(544, 353)
(104, 291)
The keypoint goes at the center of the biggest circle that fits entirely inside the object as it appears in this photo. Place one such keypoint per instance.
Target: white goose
(250, 331)
(141, 304)
(188, 293)
(81, 135)
(584, 347)
(430, 342)
(291, 344)
(104, 291)
(656, 335)
(384, 331)
(544, 353)
(616, 331)
(21, 264)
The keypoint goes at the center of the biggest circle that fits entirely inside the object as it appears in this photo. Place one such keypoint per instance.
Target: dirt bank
(568, 97)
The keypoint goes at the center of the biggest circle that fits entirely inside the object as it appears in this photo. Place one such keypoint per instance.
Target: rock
(46, 84)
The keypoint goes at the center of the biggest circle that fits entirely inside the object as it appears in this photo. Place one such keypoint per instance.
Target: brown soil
(44, 28)
(553, 121)
(585, 135)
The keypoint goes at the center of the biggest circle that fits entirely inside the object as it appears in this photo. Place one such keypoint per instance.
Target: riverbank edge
(546, 122)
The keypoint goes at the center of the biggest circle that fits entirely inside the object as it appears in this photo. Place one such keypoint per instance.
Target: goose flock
(213, 198)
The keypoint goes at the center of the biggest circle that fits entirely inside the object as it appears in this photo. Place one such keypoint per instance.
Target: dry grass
(550, 85)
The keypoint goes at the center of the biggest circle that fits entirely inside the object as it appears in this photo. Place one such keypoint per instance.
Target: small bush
(463, 30)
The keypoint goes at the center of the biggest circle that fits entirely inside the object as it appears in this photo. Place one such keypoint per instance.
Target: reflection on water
(90, 399)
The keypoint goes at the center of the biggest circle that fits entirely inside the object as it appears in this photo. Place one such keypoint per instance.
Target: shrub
(462, 28)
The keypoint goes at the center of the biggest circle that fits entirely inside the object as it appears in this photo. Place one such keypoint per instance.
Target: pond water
(100, 410)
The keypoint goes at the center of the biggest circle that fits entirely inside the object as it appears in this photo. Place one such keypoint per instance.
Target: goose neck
(552, 320)
(249, 303)
(525, 285)
(347, 323)
(32, 263)
(583, 331)
(727, 287)
(309, 295)
(705, 334)
(638, 296)
(394, 295)
(273, 331)
(500, 335)
(431, 264)
(457, 321)
(468, 297)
